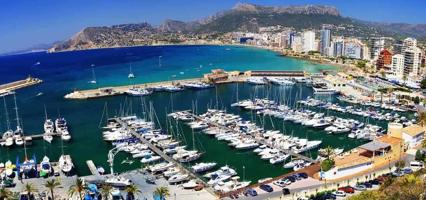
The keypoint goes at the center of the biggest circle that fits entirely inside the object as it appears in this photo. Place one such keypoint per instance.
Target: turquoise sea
(63, 72)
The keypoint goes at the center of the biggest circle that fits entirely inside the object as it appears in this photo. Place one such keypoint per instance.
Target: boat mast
(45, 112)
(93, 75)
(18, 123)
(6, 113)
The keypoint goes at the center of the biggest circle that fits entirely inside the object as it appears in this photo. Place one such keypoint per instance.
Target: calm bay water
(62, 72)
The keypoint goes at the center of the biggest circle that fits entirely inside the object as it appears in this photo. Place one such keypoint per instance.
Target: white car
(360, 187)
(339, 193)
(280, 183)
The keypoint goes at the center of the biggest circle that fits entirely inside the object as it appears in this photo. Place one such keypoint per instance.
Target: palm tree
(329, 151)
(5, 194)
(131, 191)
(422, 118)
(78, 188)
(106, 191)
(29, 189)
(51, 185)
(162, 192)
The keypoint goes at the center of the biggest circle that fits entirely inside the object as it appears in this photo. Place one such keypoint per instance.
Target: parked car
(250, 192)
(398, 173)
(407, 170)
(339, 193)
(360, 187)
(303, 175)
(347, 189)
(266, 188)
(286, 191)
(367, 184)
(374, 182)
(291, 178)
(280, 183)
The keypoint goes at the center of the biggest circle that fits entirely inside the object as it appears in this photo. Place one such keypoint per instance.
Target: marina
(242, 117)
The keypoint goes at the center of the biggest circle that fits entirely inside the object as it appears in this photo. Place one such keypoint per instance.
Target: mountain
(242, 17)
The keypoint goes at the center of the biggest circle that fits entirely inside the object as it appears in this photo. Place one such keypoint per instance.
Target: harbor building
(412, 135)
(365, 158)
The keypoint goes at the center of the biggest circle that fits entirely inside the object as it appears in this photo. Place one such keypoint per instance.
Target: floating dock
(163, 155)
(257, 140)
(36, 136)
(92, 167)
(9, 88)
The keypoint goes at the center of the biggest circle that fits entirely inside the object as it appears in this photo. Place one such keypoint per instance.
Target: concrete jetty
(217, 76)
(8, 88)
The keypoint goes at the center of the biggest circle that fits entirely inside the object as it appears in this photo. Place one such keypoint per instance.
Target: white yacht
(256, 80)
(161, 167)
(118, 181)
(177, 178)
(138, 91)
(150, 159)
(66, 164)
(202, 167)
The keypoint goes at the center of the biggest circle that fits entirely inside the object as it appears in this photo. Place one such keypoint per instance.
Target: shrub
(327, 164)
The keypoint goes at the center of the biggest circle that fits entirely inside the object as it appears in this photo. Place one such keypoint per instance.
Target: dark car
(367, 185)
(286, 191)
(347, 189)
(328, 196)
(291, 178)
(266, 188)
(297, 177)
(303, 175)
(374, 182)
(250, 192)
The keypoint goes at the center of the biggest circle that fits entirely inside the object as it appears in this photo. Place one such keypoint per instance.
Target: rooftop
(375, 145)
(413, 130)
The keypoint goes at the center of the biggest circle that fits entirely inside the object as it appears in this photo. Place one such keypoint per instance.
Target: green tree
(106, 191)
(329, 151)
(5, 194)
(52, 185)
(77, 189)
(131, 190)
(162, 192)
(327, 164)
(421, 118)
(419, 155)
(29, 189)
(400, 164)
(423, 84)
(367, 195)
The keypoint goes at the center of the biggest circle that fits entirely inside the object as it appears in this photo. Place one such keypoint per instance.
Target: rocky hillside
(243, 17)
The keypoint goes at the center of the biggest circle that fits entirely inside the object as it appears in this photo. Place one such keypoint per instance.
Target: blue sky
(25, 23)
